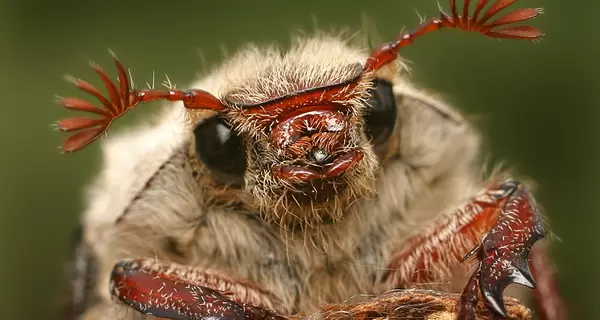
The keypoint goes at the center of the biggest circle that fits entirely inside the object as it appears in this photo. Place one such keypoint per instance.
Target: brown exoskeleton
(294, 181)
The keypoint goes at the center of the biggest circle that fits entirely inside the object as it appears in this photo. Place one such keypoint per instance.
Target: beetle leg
(182, 293)
(506, 217)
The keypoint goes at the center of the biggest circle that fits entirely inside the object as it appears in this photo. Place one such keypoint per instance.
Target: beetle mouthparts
(303, 174)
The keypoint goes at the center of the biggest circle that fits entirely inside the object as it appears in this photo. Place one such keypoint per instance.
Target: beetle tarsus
(503, 253)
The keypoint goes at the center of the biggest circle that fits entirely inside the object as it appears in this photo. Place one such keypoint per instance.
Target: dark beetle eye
(221, 150)
(380, 118)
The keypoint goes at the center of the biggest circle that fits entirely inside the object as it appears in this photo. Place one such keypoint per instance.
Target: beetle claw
(503, 253)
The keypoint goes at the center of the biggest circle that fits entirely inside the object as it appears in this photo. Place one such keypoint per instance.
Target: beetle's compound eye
(380, 117)
(221, 150)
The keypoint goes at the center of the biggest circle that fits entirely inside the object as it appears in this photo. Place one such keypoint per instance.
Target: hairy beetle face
(305, 151)
(311, 165)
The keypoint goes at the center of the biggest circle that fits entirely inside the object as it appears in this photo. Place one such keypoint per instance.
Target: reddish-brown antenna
(388, 52)
(122, 99)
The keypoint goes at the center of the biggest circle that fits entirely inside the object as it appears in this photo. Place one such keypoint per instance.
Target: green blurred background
(537, 104)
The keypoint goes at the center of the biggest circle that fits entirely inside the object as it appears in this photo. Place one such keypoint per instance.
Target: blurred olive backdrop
(538, 106)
